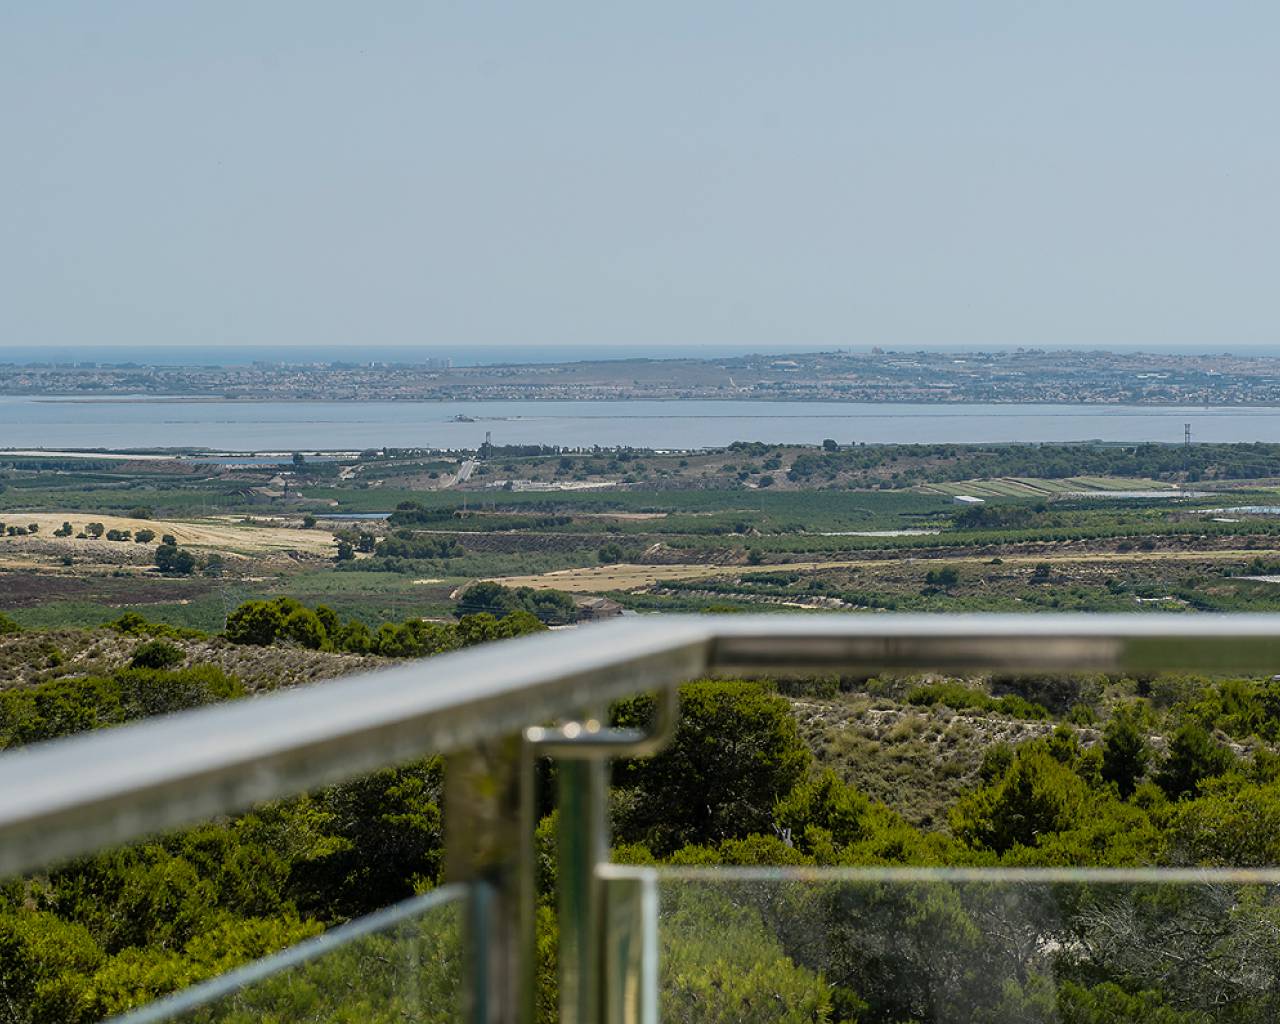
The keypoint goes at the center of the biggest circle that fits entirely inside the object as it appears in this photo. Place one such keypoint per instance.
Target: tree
(355, 637)
(346, 552)
(255, 622)
(823, 808)
(829, 445)
(722, 962)
(1036, 797)
(1125, 752)
(303, 627)
(946, 577)
(493, 598)
(33, 527)
(46, 964)
(308, 522)
(1108, 1003)
(406, 544)
(95, 530)
(65, 530)
(736, 752)
(328, 619)
(553, 607)
(1193, 757)
(169, 538)
(383, 834)
(298, 458)
(172, 559)
(1231, 825)
(144, 536)
(131, 624)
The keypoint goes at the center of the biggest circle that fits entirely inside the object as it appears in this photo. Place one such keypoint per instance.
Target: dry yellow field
(225, 533)
(601, 578)
(631, 577)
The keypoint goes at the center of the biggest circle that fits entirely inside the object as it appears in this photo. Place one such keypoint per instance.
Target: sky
(608, 175)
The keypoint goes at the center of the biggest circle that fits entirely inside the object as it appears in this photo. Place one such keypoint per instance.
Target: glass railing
(398, 965)
(643, 945)
(889, 946)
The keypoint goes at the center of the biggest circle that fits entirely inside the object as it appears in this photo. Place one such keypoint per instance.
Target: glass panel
(401, 964)
(1003, 947)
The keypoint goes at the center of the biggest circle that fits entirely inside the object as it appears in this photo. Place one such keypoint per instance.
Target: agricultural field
(601, 579)
(389, 535)
(230, 535)
(1032, 487)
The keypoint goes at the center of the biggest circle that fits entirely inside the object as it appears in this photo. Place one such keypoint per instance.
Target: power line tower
(1186, 434)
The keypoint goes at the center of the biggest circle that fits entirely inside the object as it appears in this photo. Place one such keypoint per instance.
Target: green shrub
(960, 697)
(156, 654)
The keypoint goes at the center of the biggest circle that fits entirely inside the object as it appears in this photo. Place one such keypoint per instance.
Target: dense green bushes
(942, 463)
(284, 620)
(156, 654)
(960, 697)
(60, 707)
(553, 607)
(405, 544)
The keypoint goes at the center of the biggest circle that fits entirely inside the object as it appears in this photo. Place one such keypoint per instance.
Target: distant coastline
(1023, 376)
(672, 400)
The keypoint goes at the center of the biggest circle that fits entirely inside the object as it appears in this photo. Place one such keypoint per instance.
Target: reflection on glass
(402, 964)
(893, 946)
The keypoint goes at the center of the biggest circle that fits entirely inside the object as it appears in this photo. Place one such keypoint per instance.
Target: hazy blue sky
(841, 173)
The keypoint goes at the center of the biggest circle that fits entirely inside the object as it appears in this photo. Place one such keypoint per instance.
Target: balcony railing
(466, 950)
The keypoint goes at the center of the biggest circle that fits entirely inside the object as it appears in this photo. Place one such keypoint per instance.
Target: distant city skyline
(477, 355)
(481, 355)
(743, 177)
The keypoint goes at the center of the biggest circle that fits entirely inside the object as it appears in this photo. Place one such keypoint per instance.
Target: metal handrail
(486, 707)
(75, 795)
(83, 793)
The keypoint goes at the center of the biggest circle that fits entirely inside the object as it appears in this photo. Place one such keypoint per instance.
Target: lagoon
(260, 426)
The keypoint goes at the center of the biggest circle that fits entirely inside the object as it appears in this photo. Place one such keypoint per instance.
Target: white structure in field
(967, 499)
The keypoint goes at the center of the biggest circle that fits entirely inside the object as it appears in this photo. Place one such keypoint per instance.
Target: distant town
(1022, 376)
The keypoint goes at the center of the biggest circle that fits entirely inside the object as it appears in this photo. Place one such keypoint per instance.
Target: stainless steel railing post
(489, 846)
(583, 750)
(583, 844)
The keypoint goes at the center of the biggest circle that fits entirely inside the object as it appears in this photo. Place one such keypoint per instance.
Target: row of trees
(91, 531)
(286, 620)
(939, 463)
(553, 607)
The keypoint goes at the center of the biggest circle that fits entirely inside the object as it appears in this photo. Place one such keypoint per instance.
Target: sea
(236, 426)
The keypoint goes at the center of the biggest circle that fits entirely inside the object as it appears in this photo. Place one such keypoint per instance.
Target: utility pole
(1186, 434)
